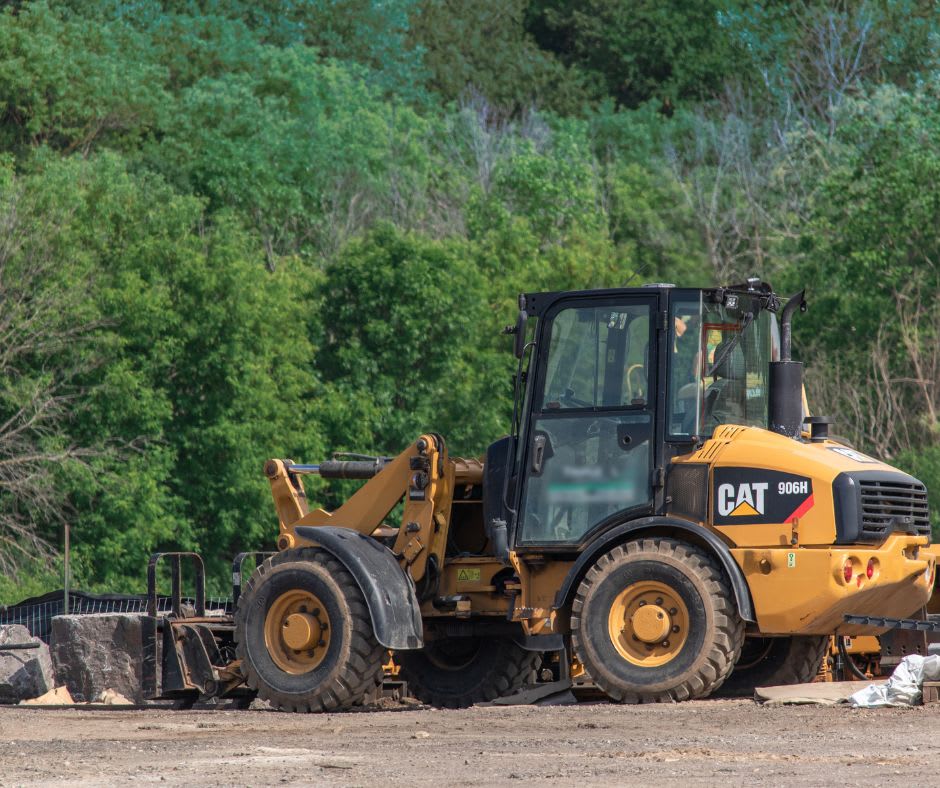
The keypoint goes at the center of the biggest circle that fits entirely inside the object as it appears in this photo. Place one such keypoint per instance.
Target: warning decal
(745, 496)
(845, 451)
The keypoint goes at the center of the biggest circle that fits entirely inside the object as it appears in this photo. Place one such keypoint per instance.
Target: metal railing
(36, 615)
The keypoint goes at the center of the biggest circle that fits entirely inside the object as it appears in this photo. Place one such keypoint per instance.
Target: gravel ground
(727, 742)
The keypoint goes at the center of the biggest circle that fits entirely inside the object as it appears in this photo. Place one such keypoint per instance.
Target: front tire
(454, 673)
(655, 621)
(304, 634)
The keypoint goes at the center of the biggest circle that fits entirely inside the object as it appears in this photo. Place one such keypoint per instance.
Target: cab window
(598, 358)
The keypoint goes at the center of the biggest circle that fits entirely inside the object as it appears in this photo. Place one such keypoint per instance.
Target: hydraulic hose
(847, 659)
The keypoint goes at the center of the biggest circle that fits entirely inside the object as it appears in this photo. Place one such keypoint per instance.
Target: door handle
(539, 442)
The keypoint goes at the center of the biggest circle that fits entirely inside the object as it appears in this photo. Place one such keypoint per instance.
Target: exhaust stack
(786, 378)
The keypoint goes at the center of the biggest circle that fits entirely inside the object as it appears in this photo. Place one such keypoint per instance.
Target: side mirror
(519, 339)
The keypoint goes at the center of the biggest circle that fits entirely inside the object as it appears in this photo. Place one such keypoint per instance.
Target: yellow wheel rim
(297, 631)
(648, 623)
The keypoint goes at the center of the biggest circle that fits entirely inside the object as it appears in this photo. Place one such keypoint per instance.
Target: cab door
(589, 443)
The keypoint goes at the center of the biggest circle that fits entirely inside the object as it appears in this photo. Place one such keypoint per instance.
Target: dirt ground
(727, 742)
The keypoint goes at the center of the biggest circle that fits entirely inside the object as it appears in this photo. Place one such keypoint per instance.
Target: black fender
(389, 592)
(660, 526)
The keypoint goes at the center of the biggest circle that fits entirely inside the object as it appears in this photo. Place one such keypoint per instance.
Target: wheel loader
(664, 517)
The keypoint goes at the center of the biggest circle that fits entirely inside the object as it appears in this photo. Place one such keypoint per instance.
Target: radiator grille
(893, 505)
(687, 491)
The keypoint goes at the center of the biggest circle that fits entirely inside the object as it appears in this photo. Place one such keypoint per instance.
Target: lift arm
(422, 474)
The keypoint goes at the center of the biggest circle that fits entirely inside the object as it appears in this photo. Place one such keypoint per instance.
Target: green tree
(809, 56)
(47, 346)
(68, 82)
(407, 347)
(641, 50)
(482, 46)
(202, 374)
(872, 251)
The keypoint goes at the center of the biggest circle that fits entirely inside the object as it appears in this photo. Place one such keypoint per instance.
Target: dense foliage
(231, 231)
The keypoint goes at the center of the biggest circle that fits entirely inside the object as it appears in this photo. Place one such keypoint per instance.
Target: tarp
(904, 686)
(902, 689)
(820, 693)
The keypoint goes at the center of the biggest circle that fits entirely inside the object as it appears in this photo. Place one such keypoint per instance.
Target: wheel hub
(300, 631)
(297, 631)
(651, 623)
(648, 623)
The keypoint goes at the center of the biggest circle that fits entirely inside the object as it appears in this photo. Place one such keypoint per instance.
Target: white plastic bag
(903, 688)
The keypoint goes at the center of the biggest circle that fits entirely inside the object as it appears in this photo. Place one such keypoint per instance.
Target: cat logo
(745, 496)
(745, 501)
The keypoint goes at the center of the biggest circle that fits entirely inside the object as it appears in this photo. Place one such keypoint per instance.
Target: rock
(97, 652)
(24, 673)
(55, 697)
(112, 698)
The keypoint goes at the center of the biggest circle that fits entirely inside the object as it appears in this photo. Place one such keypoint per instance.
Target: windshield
(719, 365)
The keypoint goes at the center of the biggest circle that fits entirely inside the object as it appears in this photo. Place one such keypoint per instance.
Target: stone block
(24, 673)
(97, 652)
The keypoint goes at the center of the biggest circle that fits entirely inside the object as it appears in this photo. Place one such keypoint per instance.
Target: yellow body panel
(805, 592)
(757, 449)
(793, 568)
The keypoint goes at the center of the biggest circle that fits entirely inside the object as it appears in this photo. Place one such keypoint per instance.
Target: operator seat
(724, 397)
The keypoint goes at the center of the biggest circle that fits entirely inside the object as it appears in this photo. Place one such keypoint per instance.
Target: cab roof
(536, 303)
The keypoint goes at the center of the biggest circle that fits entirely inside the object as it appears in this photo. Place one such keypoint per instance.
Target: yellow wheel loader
(663, 517)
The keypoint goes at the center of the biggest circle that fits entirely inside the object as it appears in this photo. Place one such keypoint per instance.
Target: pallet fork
(189, 652)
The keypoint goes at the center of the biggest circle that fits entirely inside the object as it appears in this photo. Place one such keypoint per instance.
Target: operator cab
(612, 384)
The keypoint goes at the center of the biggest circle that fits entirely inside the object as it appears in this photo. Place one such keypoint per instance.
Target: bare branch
(42, 356)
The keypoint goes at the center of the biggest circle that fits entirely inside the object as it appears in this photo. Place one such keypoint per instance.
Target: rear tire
(771, 662)
(304, 634)
(655, 621)
(454, 673)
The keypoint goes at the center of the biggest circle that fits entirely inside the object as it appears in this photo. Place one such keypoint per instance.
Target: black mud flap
(389, 592)
(549, 693)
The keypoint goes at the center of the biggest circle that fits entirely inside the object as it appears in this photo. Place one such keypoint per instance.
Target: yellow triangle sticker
(744, 510)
